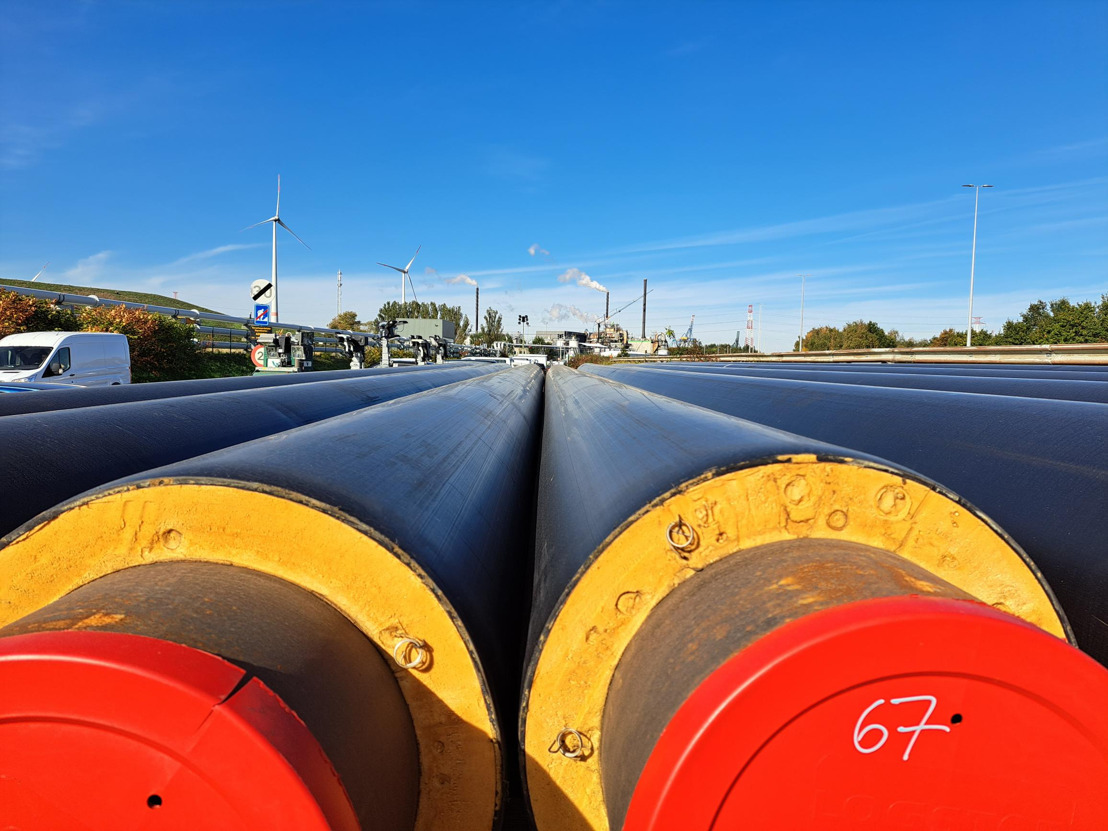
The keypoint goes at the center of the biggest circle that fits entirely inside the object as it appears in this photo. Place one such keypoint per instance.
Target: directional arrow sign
(261, 290)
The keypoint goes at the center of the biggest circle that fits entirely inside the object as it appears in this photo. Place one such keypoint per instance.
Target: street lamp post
(523, 319)
(973, 259)
(802, 277)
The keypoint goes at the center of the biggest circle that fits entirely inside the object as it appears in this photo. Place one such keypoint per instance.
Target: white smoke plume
(462, 278)
(581, 278)
(537, 249)
(558, 312)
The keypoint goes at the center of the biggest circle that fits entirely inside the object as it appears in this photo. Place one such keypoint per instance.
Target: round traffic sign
(261, 291)
(257, 355)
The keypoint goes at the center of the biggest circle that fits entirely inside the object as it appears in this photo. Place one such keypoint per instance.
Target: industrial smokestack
(477, 311)
(607, 297)
(643, 335)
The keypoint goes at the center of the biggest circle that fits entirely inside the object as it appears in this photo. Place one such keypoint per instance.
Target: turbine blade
(410, 283)
(278, 211)
(287, 228)
(412, 260)
(255, 225)
(39, 273)
(394, 268)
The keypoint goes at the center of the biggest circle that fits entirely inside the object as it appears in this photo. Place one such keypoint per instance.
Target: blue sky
(717, 149)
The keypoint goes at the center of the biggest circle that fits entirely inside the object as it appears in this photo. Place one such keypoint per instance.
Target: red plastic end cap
(903, 713)
(107, 730)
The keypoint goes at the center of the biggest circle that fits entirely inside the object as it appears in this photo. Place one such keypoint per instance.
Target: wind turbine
(276, 220)
(39, 273)
(404, 274)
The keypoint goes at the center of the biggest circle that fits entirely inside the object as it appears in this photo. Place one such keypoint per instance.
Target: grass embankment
(109, 294)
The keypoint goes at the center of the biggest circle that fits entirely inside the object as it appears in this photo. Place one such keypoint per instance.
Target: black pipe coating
(49, 457)
(1063, 390)
(64, 399)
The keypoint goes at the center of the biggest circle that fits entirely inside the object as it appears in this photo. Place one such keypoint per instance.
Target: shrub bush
(21, 313)
(161, 347)
(575, 361)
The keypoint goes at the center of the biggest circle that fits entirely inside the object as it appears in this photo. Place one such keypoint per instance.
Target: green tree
(865, 334)
(492, 328)
(954, 337)
(348, 321)
(823, 339)
(908, 343)
(1060, 321)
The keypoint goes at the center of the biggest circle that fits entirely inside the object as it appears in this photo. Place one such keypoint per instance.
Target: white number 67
(915, 730)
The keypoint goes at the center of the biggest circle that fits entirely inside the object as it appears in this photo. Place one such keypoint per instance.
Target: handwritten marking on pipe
(861, 732)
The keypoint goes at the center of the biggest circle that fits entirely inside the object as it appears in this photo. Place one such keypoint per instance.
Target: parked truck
(92, 359)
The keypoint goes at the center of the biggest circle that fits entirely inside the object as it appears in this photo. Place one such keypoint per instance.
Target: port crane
(687, 338)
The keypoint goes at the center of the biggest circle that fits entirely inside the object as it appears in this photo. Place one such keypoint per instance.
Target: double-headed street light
(973, 259)
(523, 320)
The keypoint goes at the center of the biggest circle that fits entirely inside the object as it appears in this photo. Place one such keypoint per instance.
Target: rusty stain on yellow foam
(334, 559)
(794, 497)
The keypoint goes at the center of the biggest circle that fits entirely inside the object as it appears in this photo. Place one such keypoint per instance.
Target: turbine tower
(404, 274)
(276, 220)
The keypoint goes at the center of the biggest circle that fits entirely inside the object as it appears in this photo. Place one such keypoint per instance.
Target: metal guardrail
(62, 299)
(1063, 353)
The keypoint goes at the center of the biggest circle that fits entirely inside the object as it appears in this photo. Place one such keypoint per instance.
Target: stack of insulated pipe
(1016, 384)
(94, 396)
(51, 456)
(310, 630)
(733, 626)
(1071, 372)
(1036, 467)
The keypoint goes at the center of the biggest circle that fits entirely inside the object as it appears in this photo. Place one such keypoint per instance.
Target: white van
(91, 359)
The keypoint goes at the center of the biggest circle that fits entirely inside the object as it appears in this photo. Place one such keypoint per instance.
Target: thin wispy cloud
(215, 252)
(581, 278)
(22, 143)
(537, 249)
(1089, 149)
(688, 47)
(508, 163)
(88, 270)
(850, 221)
(1066, 225)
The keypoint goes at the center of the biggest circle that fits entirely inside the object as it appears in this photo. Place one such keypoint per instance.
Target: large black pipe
(1064, 390)
(50, 457)
(1038, 468)
(94, 396)
(412, 518)
(638, 494)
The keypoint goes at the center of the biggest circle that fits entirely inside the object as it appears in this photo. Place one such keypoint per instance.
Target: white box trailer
(91, 359)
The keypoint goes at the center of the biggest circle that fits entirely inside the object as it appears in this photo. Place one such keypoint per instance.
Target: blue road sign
(261, 314)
